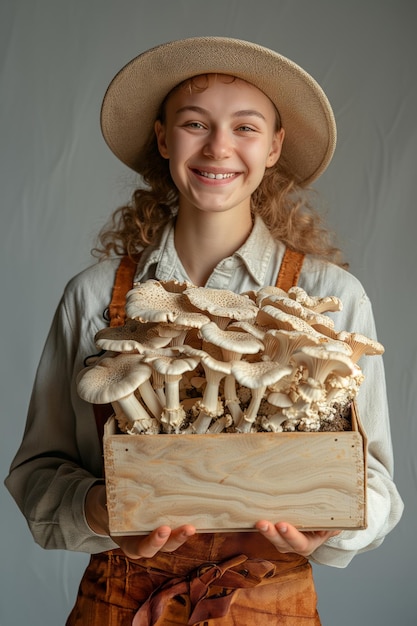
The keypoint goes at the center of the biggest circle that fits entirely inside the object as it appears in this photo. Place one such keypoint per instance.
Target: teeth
(216, 176)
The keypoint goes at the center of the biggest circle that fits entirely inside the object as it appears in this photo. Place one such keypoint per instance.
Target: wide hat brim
(134, 97)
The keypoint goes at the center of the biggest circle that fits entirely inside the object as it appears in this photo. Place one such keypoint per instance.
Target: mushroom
(273, 423)
(281, 344)
(269, 292)
(222, 305)
(321, 323)
(320, 364)
(256, 376)
(172, 368)
(273, 317)
(134, 336)
(360, 345)
(215, 370)
(151, 302)
(115, 380)
(220, 424)
(233, 345)
(315, 303)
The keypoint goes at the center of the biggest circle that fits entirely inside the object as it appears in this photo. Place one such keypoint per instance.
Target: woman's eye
(197, 125)
(245, 128)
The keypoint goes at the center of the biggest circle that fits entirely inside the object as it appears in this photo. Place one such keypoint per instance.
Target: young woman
(226, 136)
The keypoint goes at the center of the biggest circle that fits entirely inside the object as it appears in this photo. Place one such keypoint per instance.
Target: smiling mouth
(214, 176)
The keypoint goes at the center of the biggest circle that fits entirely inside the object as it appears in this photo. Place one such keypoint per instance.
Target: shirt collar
(255, 254)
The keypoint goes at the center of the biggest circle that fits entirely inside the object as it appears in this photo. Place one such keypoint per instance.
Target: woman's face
(219, 140)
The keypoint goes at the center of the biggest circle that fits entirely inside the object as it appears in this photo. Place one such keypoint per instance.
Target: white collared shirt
(254, 264)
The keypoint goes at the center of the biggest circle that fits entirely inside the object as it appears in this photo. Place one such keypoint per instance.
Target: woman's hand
(162, 539)
(286, 538)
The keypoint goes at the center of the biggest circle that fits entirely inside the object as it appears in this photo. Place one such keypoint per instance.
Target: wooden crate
(226, 482)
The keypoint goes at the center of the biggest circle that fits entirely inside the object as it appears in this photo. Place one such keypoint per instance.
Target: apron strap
(123, 282)
(290, 269)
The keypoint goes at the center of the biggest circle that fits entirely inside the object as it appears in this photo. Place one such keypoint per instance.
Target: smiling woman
(219, 140)
(222, 204)
(219, 135)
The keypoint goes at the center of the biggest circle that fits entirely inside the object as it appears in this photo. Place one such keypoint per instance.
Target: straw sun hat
(133, 98)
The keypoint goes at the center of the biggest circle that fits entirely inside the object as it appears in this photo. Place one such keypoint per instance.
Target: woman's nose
(218, 145)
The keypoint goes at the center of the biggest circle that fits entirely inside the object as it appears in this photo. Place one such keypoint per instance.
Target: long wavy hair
(284, 205)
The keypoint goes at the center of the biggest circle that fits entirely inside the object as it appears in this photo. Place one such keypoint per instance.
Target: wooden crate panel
(227, 482)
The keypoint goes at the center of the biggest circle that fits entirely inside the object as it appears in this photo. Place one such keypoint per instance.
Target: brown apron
(228, 579)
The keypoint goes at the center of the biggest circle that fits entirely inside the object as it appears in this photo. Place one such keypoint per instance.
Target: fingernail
(282, 529)
(163, 533)
(263, 527)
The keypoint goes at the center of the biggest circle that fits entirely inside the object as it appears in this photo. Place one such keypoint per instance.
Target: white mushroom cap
(112, 378)
(222, 305)
(315, 303)
(134, 336)
(273, 317)
(281, 344)
(360, 345)
(279, 399)
(268, 293)
(151, 302)
(259, 374)
(232, 343)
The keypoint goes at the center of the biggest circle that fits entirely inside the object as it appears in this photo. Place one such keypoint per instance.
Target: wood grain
(228, 481)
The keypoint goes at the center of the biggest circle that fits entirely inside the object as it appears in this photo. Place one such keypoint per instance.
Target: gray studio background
(59, 182)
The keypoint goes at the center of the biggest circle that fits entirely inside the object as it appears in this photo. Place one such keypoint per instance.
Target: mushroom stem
(158, 386)
(151, 399)
(220, 424)
(250, 414)
(208, 403)
(134, 411)
(231, 399)
(173, 414)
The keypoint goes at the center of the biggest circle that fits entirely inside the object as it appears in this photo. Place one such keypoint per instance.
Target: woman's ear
(161, 139)
(276, 148)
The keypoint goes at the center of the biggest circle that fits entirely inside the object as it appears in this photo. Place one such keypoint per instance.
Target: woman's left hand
(286, 538)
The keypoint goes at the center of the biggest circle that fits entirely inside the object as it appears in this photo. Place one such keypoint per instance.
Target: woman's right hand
(162, 539)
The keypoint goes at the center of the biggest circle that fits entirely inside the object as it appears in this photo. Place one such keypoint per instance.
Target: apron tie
(204, 594)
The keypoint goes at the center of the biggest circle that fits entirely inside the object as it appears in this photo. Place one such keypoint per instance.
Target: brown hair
(284, 206)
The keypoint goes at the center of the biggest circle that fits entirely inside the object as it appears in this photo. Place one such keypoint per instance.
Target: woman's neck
(203, 240)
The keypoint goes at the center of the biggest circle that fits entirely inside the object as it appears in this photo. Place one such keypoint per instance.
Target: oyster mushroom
(360, 345)
(320, 364)
(281, 344)
(134, 336)
(222, 305)
(256, 376)
(269, 292)
(315, 303)
(321, 323)
(220, 424)
(215, 370)
(151, 302)
(273, 423)
(115, 380)
(273, 317)
(233, 345)
(172, 368)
